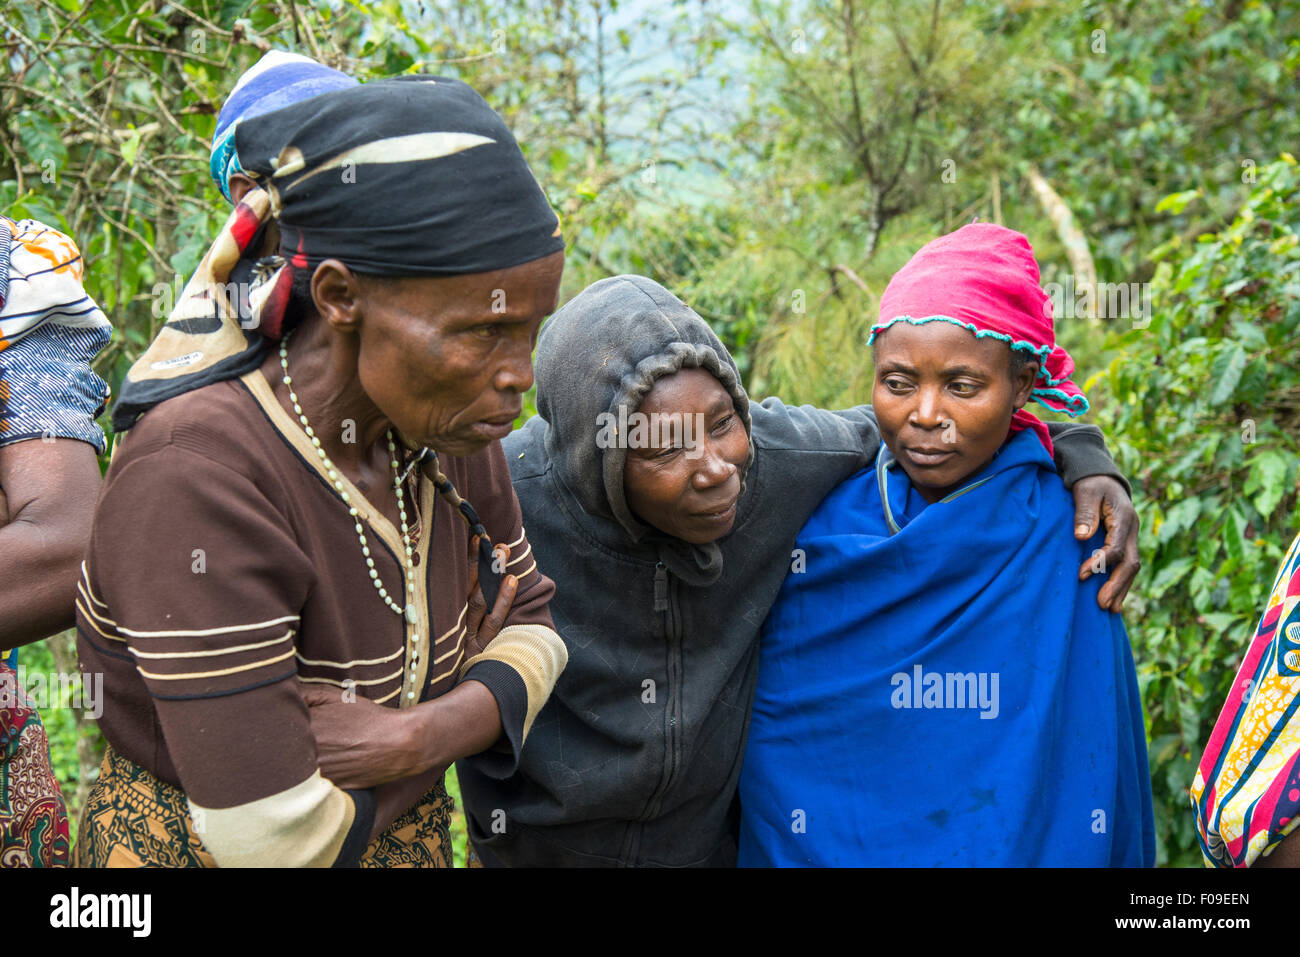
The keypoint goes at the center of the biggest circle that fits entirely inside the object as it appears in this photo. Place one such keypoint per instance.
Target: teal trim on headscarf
(1040, 353)
(1074, 405)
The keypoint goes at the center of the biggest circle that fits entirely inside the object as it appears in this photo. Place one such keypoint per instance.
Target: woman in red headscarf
(937, 687)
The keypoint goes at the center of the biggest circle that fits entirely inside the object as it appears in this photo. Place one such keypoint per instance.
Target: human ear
(239, 186)
(336, 291)
(1025, 384)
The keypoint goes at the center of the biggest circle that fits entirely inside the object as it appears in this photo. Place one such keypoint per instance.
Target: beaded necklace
(408, 573)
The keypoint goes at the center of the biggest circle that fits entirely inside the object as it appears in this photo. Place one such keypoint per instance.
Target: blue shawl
(937, 688)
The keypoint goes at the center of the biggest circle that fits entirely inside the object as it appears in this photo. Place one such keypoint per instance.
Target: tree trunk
(1072, 237)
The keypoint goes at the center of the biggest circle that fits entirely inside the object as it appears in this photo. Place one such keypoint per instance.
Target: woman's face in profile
(689, 485)
(448, 359)
(944, 400)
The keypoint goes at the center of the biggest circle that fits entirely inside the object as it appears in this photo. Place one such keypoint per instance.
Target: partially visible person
(277, 80)
(1246, 794)
(50, 330)
(936, 687)
(290, 519)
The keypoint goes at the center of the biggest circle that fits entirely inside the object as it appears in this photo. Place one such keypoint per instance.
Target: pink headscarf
(984, 278)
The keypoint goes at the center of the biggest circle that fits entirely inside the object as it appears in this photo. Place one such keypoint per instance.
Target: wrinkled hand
(360, 744)
(481, 626)
(1101, 497)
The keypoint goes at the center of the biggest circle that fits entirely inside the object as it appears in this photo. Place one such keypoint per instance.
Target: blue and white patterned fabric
(50, 330)
(275, 81)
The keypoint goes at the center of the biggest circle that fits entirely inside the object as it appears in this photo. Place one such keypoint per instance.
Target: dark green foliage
(1205, 417)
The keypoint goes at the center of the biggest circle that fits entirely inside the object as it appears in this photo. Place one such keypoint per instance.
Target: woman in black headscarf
(279, 517)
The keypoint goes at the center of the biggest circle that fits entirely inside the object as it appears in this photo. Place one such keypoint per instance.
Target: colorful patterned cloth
(219, 327)
(49, 331)
(1246, 793)
(132, 819)
(273, 82)
(33, 818)
(419, 838)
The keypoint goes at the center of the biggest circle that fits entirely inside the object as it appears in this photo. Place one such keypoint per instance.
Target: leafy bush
(1203, 414)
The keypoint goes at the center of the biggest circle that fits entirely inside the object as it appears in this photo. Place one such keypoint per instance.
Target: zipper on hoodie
(666, 602)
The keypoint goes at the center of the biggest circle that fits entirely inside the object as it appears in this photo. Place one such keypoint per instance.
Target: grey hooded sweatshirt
(635, 758)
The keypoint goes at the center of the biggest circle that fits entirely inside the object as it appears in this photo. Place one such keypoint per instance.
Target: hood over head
(605, 349)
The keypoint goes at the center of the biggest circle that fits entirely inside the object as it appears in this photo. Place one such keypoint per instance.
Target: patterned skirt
(33, 818)
(132, 819)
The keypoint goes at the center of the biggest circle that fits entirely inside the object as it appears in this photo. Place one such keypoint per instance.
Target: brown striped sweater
(224, 568)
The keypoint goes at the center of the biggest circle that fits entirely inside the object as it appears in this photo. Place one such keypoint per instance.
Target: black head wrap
(415, 176)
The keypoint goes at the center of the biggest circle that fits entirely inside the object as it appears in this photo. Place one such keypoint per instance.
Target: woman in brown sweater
(278, 519)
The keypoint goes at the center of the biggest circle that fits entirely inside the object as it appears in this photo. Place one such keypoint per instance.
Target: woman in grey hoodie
(666, 560)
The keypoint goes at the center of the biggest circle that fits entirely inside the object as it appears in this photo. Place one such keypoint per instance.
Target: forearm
(48, 508)
(363, 745)
(1081, 452)
(464, 721)
(38, 582)
(1286, 854)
